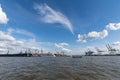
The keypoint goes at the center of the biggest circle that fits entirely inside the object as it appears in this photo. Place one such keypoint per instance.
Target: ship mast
(8, 51)
(41, 51)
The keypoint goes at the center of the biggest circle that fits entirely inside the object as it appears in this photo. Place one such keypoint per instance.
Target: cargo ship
(16, 55)
(20, 54)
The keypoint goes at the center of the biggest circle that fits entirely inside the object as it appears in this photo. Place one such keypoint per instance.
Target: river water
(60, 68)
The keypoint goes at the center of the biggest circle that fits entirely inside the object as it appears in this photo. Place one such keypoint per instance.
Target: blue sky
(67, 25)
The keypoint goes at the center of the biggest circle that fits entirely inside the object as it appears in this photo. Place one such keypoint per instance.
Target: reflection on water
(60, 68)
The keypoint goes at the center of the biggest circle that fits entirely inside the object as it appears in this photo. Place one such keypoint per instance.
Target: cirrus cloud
(21, 31)
(50, 15)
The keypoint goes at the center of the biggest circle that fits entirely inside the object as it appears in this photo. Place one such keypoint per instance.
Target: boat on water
(16, 55)
(89, 53)
(20, 54)
(76, 56)
(60, 55)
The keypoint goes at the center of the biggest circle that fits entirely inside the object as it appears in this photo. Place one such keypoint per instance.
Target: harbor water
(60, 68)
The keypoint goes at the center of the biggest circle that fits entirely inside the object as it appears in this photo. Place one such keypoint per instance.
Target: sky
(71, 26)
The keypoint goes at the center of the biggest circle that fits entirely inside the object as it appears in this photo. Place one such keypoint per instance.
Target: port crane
(99, 50)
(110, 48)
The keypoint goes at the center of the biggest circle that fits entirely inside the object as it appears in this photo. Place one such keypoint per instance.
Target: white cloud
(31, 43)
(113, 26)
(3, 44)
(62, 47)
(8, 42)
(63, 44)
(21, 31)
(3, 16)
(6, 37)
(92, 36)
(82, 38)
(116, 43)
(99, 35)
(16, 43)
(2, 50)
(49, 15)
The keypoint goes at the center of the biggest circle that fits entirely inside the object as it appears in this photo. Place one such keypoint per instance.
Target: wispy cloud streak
(62, 47)
(49, 15)
(21, 31)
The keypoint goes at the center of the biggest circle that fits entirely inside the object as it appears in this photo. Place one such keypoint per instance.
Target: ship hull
(15, 55)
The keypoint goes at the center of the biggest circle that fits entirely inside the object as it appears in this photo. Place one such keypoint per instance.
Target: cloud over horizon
(6, 37)
(116, 43)
(9, 42)
(94, 35)
(62, 47)
(52, 16)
